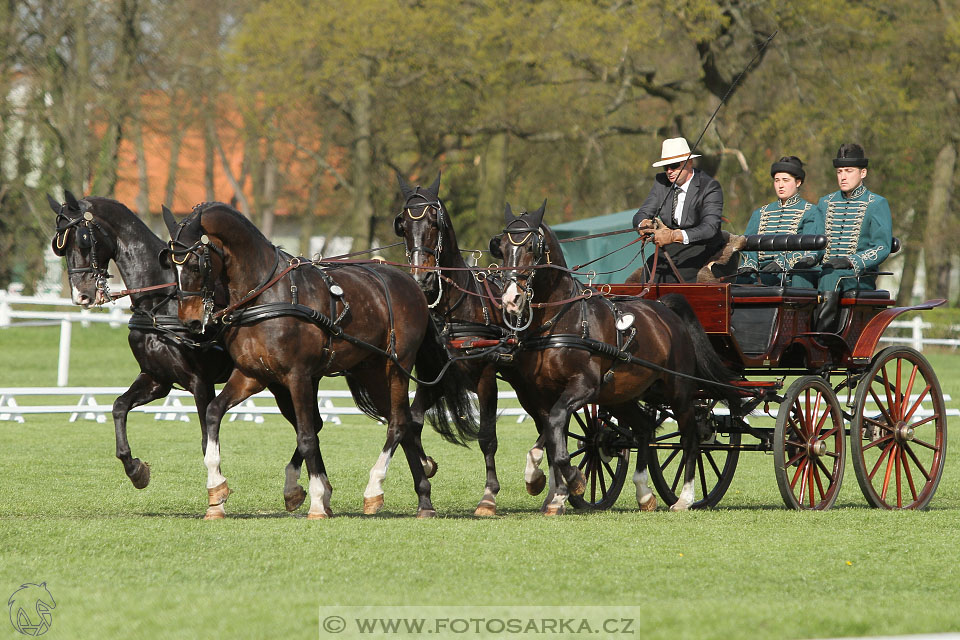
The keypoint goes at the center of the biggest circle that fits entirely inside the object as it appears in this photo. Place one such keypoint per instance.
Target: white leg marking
(685, 499)
(320, 492)
(212, 460)
(377, 475)
(532, 471)
(644, 492)
(292, 478)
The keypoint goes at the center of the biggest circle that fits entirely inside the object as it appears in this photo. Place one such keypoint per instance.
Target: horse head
(198, 261)
(524, 245)
(80, 238)
(422, 223)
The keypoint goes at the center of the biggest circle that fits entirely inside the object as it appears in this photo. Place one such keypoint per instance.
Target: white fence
(117, 316)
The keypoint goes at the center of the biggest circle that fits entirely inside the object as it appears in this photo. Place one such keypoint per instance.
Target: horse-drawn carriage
(606, 369)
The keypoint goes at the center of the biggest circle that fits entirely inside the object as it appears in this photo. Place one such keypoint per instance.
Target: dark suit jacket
(702, 207)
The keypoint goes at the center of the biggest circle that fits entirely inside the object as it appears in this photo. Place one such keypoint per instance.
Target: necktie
(676, 201)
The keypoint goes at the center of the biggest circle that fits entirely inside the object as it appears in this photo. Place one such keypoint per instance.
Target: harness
(85, 224)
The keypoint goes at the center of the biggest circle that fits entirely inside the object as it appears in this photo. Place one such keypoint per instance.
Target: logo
(30, 607)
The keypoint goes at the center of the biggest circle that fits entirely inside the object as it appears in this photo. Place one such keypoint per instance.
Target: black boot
(828, 312)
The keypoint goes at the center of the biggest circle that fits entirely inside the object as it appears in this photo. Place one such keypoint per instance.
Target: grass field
(128, 563)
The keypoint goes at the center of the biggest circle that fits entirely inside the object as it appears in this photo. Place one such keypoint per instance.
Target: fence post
(63, 364)
(918, 333)
(4, 309)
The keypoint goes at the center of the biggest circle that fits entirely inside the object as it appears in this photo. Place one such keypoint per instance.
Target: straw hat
(674, 150)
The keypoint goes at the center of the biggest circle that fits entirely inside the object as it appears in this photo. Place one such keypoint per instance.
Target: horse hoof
(219, 494)
(679, 507)
(649, 505)
(215, 512)
(536, 486)
(372, 505)
(579, 484)
(426, 513)
(486, 508)
(294, 499)
(554, 510)
(430, 467)
(319, 515)
(141, 477)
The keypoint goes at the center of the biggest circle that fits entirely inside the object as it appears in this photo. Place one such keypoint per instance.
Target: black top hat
(850, 155)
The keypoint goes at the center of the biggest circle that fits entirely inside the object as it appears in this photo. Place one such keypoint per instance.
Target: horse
(462, 308)
(92, 231)
(366, 322)
(578, 348)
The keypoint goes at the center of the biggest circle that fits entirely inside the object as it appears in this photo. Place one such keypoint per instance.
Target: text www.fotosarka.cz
(478, 621)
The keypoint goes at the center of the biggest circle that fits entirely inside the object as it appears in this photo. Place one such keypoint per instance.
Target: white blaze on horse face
(377, 475)
(685, 499)
(511, 298)
(212, 460)
(644, 493)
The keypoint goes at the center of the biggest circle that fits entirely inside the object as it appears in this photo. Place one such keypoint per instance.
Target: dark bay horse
(91, 232)
(287, 324)
(462, 309)
(579, 348)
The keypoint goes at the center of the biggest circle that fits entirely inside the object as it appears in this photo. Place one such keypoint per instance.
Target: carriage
(827, 393)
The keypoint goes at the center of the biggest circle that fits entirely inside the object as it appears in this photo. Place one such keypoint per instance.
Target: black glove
(746, 271)
(840, 263)
(805, 263)
(771, 267)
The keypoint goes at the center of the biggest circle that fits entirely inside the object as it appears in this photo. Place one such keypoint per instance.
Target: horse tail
(709, 365)
(363, 398)
(453, 412)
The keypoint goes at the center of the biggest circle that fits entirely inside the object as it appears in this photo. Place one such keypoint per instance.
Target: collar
(856, 193)
(789, 202)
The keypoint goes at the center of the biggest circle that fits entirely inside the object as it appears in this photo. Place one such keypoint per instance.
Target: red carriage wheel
(809, 445)
(898, 450)
(591, 437)
(716, 461)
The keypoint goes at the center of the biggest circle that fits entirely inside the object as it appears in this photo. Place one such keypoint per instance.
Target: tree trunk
(362, 162)
(176, 139)
(143, 193)
(492, 190)
(269, 192)
(910, 254)
(244, 204)
(936, 240)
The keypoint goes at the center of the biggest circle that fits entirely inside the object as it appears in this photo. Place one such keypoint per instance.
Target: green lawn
(122, 562)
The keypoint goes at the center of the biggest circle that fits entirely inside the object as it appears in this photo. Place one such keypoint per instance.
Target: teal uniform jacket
(858, 227)
(796, 215)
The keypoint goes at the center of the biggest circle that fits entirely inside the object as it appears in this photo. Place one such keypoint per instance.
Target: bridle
(523, 279)
(437, 206)
(85, 225)
(179, 254)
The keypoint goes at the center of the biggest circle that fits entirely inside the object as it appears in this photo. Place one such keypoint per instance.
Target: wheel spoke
(916, 404)
(793, 460)
(583, 425)
(703, 477)
(583, 462)
(577, 452)
(667, 436)
(668, 460)
(883, 425)
(887, 471)
(883, 455)
(916, 461)
(880, 405)
(680, 468)
(877, 442)
(909, 390)
(603, 483)
(897, 393)
(796, 475)
(826, 472)
(816, 476)
(713, 464)
(593, 484)
(906, 470)
(899, 488)
(609, 469)
(925, 444)
(924, 421)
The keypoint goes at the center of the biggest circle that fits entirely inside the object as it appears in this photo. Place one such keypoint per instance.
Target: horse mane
(119, 214)
(552, 242)
(206, 208)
